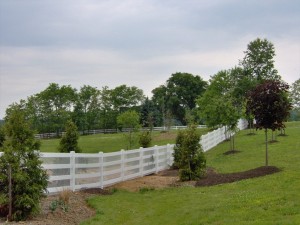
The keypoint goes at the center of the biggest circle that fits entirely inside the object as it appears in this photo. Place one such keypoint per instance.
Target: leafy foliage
(179, 94)
(130, 120)
(69, 142)
(145, 139)
(2, 136)
(270, 105)
(188, 155)
(29, 180)
(258, 62)
(295, 95)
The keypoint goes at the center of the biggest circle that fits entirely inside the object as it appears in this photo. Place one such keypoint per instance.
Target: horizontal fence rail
(77, 171)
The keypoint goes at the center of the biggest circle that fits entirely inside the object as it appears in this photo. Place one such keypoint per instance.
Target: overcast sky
(136, 42)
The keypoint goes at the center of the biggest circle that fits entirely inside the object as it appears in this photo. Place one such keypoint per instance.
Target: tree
(188, 155)
(258, 61)
(213, 104)
(150, 115)
(295, 95)
(56, 104)
(270, 106)
(69, 141)
(2, 136)
(129, 120)
(87, 108)
(29, 180)
(108, 116)
(123, 97)
(179, 94)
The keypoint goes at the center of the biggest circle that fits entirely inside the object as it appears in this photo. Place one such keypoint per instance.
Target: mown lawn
(112, 142)
(269, 200)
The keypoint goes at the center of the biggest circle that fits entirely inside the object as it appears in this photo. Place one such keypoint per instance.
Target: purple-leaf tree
(270, 105)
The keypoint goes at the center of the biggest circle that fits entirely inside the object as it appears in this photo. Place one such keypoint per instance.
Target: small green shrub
(53, 205)
(145, 139)
(69, 142)
(188, 155)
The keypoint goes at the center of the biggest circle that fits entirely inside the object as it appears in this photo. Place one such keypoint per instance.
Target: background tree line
(184, 98)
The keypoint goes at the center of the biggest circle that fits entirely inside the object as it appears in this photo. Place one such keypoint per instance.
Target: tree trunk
(233, 147)
(266, 133)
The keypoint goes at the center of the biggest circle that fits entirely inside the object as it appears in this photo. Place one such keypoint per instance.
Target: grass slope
(269, 200)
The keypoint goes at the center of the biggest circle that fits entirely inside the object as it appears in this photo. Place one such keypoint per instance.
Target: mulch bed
(213, 178)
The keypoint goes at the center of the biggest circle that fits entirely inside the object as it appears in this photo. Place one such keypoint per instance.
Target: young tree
(130, 120)
(29, 180)
(270, 106)
(188, 155)
(69, 141)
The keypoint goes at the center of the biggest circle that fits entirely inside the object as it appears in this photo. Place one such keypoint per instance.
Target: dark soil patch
(213, 178)
(250, 134)
(230, 152)
(96, 191)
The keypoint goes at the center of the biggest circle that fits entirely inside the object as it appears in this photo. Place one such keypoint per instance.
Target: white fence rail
(215, 137)
(78, 170)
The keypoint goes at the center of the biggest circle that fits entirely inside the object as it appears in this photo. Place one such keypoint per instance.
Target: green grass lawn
(111, 142)
(269, 200)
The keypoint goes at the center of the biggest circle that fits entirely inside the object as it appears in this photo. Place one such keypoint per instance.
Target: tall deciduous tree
(56, 106)
(29, 180)
(123, 97)
(179, 94)
(87, 108)
(258, 61)
(270, 106)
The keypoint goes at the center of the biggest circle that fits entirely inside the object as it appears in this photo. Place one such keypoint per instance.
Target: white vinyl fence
(78, 170)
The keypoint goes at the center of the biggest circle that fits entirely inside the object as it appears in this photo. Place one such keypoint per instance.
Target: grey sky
(135, 42)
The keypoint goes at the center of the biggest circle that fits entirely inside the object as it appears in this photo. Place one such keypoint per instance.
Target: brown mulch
(79, 211)
(213, 178)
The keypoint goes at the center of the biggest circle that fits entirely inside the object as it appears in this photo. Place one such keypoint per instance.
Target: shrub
(178, 149)
(145, 139)
(188, 155)
(29, 180)
(69, 141)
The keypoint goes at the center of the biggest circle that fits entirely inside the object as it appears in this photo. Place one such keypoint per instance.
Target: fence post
(156, 158)
(101, 169)
(72, 170)
(169, 155)
(122, 163)
(141, 161)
